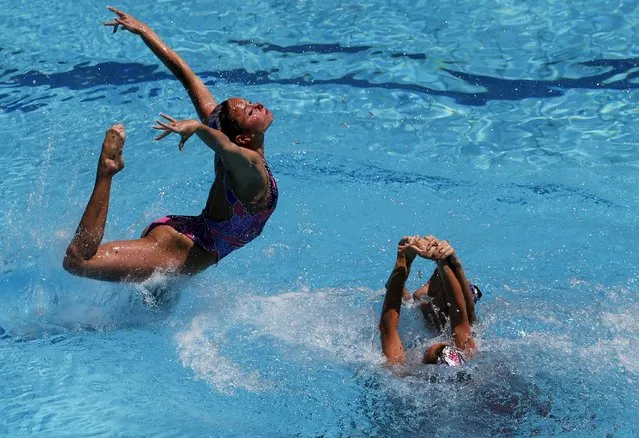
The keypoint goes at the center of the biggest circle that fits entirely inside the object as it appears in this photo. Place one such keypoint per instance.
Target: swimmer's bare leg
(131, 260)
(91, 228)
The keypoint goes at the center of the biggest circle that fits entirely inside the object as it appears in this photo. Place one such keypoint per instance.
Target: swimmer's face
(250, 116)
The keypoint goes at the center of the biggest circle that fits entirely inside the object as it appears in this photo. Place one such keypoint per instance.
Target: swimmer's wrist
(454, 260)
(402, 261)
(147, 33)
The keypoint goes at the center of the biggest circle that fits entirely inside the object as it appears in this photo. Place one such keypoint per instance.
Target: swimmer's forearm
(453, 292)
(395, 286)
(168, 56)
(200, 95)
(389, 321)
(401, 270)
(456, 266)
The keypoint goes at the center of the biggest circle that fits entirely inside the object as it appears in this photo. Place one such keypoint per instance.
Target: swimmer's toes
(117, 134)
(112, 160)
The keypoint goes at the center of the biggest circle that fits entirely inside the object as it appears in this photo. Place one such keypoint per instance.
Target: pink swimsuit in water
(220, 238)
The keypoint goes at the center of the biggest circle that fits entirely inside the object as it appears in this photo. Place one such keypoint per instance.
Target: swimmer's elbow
(72, 263)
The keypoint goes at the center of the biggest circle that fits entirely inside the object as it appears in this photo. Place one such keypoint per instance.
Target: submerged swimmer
(456, 300)
(242, 198)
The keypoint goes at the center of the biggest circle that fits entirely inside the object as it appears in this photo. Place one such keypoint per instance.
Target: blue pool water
(507, 127)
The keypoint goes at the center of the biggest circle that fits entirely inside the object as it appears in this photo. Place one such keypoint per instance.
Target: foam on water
(235, 340)
(339, 327)
(198, 351)
(334, 322)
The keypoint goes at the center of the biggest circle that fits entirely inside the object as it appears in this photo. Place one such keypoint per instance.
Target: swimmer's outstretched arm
(242, 162)
(459, 324)
(456, 266)
(200, 95)
(391, 342)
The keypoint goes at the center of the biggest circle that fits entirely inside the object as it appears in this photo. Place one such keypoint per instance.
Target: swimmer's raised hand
(433, 249)
(185, 128)
(128, 22)
(411, 246)
(444, 250)
(406, 247)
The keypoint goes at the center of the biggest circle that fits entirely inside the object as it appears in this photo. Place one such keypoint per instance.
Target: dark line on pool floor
(302, 48)
(86, 76)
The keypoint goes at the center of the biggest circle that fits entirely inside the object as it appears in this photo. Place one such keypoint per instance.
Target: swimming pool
(507, 127)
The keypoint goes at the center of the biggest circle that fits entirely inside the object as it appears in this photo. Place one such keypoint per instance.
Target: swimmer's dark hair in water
(432, 299)
(456, 295)
(242, 198)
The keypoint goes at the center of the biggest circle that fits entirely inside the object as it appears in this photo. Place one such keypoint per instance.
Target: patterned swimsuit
(451, 356)
(220, 238)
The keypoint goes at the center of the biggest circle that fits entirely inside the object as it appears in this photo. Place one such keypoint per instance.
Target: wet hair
(221, 119)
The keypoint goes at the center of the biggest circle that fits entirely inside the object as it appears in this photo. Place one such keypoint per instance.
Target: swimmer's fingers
(429, 240)
(169, 118)
(161, 136)
(163, 126)
(412, 251)
(119, 22)
(168, 129)
(113, 23)
(173, 127)
(406, 249)
(127, 22)
(406, 240)
(427, 249)
(428, 254)
(414, 239)
(117, 12)
(443, 250)
(425, 243)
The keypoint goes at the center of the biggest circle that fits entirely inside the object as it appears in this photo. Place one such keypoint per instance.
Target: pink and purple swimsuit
(220, 238)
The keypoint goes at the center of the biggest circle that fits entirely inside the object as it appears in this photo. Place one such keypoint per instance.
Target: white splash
(326, 320)
(622, 347)
(199, 352)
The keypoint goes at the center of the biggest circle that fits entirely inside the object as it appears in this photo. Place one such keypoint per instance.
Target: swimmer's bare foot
(111, 160)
